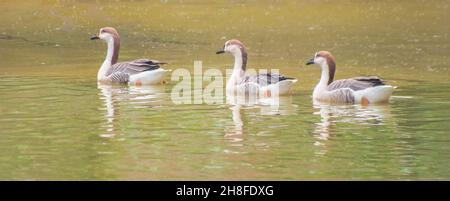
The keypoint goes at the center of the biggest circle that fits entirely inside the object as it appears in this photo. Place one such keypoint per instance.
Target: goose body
(264, 83)
(359, 90)
(137, 72)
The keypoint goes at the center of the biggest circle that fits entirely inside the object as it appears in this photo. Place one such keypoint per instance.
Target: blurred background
(395, 39)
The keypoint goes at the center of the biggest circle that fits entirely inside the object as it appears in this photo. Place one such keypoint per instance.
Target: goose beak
(94, 37)
(220, 51)
(311, 61)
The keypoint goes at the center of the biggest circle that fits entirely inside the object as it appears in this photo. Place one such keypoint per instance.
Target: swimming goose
(363, 90)
(263, 83)
(137, 72)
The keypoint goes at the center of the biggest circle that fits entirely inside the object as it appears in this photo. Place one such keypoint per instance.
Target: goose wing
(356, 83)
(342, 95)
(265, 78)
(134, 67)
(120, 77)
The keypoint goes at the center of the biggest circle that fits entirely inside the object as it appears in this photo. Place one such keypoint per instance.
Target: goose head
(233, 47)
(238, 50)
(106, 34)
(111, 36)
(326, 61)
(320, 58)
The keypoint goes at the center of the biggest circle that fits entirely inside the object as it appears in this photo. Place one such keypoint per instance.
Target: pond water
(57, 123)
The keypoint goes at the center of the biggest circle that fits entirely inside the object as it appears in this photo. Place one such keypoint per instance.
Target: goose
(137, 72)
(357, 90)
(264, 83)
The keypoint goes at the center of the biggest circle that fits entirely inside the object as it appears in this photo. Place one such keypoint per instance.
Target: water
(56, 123)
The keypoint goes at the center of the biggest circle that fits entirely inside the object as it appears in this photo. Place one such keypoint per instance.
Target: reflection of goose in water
(106, 92)
(267, 106)
(244, 112)
(354, 114)
(115, 96)
(275, 105)
(235, 134)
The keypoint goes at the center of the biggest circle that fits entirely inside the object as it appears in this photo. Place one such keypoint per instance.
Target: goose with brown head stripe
(266, 84)
(363, 90)
(137, 72)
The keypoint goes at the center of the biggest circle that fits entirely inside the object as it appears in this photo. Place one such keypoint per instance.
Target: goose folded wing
(343, 95)
(266, 78)
(119, 77)
(136, 66)
(356, 83)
